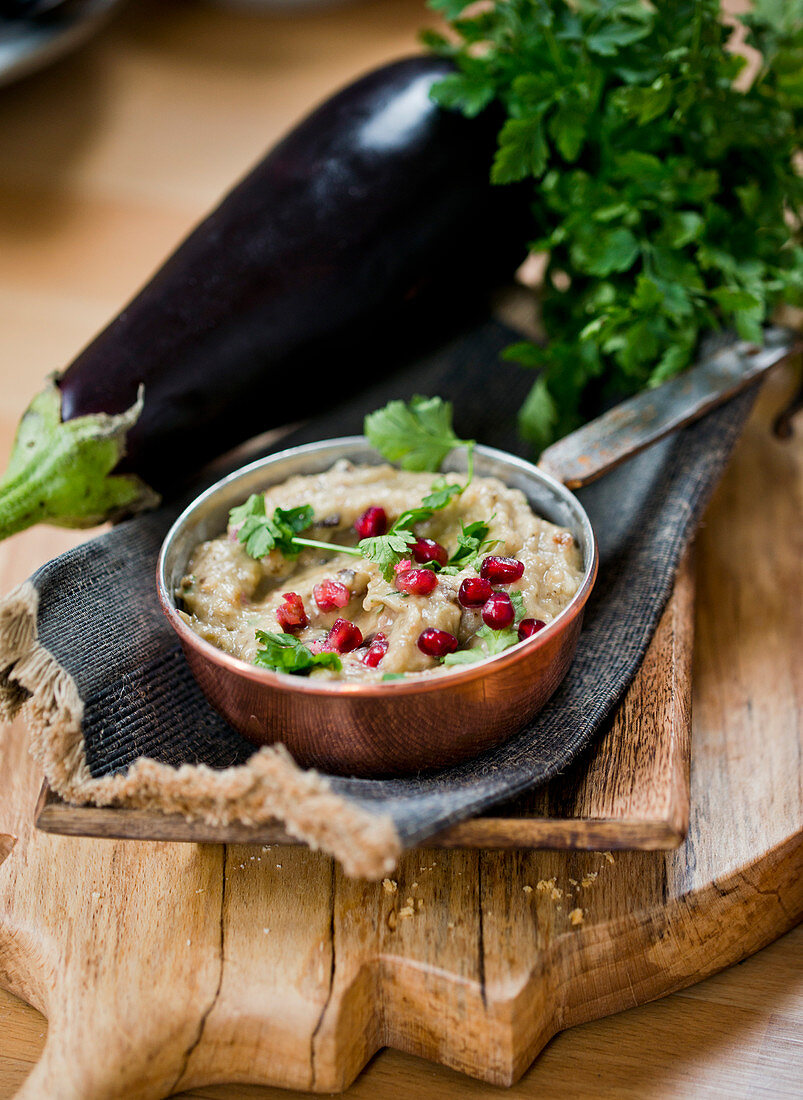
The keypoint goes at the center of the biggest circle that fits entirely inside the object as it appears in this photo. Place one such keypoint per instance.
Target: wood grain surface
(162, 967)
(105, 161)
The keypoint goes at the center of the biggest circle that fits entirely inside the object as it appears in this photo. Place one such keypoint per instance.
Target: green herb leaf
(285, 653)
(260, 533)
(388, 676)
(417, 435)
(517, 600)
(491, 643)
(472, 544)
(441, 495)
(387, 550)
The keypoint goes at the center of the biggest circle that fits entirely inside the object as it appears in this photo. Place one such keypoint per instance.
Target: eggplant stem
(61, 471)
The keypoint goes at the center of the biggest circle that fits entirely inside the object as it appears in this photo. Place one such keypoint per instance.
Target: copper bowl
(386, 728)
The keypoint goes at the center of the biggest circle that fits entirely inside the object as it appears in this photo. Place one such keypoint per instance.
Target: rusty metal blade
(635, 424)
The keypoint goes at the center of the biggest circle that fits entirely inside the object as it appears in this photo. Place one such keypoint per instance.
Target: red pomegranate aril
(426, 550)
(416, 582)
(329, 595)
(498, 611)
(376, 651)
(436, 643)
(371, 523)
(343, 637)
(501, 570)
(474, 592)
(291, 613)
(528, 627)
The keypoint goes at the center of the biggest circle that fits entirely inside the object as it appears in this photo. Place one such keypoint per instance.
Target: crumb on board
(414, 886)
(392, 919)
(389, 885)
(545, 885)
(420, 903)
(527, 889)
(409, 901)
(406, 911)
(450, 924)
(574, 882)
(609, 857)
(588, 878)
(576, 917)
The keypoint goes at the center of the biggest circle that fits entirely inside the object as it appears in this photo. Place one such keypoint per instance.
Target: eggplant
(371, 225)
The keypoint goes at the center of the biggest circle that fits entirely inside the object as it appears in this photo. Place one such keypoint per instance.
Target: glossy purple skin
(371, 228)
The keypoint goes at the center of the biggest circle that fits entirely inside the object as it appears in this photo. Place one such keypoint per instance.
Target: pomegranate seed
(528, 627)
(498, 611)
(436, 643)
(291, 613)
(343, 637)
(501, 570)
(416, 582)
(376, 651)
(425, 550)
(330, 594)
(474, 592)
(372, 522)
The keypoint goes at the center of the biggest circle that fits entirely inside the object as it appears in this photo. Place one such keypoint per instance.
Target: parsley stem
(333, 546)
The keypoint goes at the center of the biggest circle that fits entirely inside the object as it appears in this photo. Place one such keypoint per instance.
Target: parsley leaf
(260, 533)
(492, 642)
(417, 435)
(387, 550)
(285, 653)
(441, 494)
(517, 600)
(472, 543)
(665, 194)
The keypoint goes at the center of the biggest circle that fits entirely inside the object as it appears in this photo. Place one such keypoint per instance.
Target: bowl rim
(421, 683)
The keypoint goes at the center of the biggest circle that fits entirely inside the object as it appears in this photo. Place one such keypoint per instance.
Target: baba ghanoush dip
(371, 573)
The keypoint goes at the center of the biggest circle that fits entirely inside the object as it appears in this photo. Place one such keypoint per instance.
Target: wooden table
(105, 161)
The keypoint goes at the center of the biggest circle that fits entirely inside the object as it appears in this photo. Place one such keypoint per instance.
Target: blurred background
(109, 155)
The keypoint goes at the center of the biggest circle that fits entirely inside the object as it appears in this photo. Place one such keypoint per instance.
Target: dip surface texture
(227, 595)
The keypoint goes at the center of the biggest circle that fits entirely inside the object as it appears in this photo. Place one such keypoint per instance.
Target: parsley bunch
(665, 194)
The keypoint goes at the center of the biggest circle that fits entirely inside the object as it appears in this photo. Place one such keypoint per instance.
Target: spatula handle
(636, 423)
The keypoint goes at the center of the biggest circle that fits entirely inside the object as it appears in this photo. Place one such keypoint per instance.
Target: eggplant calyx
(61, 471)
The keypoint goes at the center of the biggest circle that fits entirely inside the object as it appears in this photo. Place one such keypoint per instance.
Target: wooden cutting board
(162, 966)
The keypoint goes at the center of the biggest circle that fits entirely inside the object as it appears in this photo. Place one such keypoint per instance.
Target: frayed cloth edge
(269, 787)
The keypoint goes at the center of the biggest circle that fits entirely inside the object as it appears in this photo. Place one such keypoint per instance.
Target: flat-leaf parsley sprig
(665, 193)
(418, 436)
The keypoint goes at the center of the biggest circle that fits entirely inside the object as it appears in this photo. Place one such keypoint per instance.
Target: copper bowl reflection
(386, 728)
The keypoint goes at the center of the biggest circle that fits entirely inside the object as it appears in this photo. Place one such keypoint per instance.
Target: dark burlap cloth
(99, 616)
